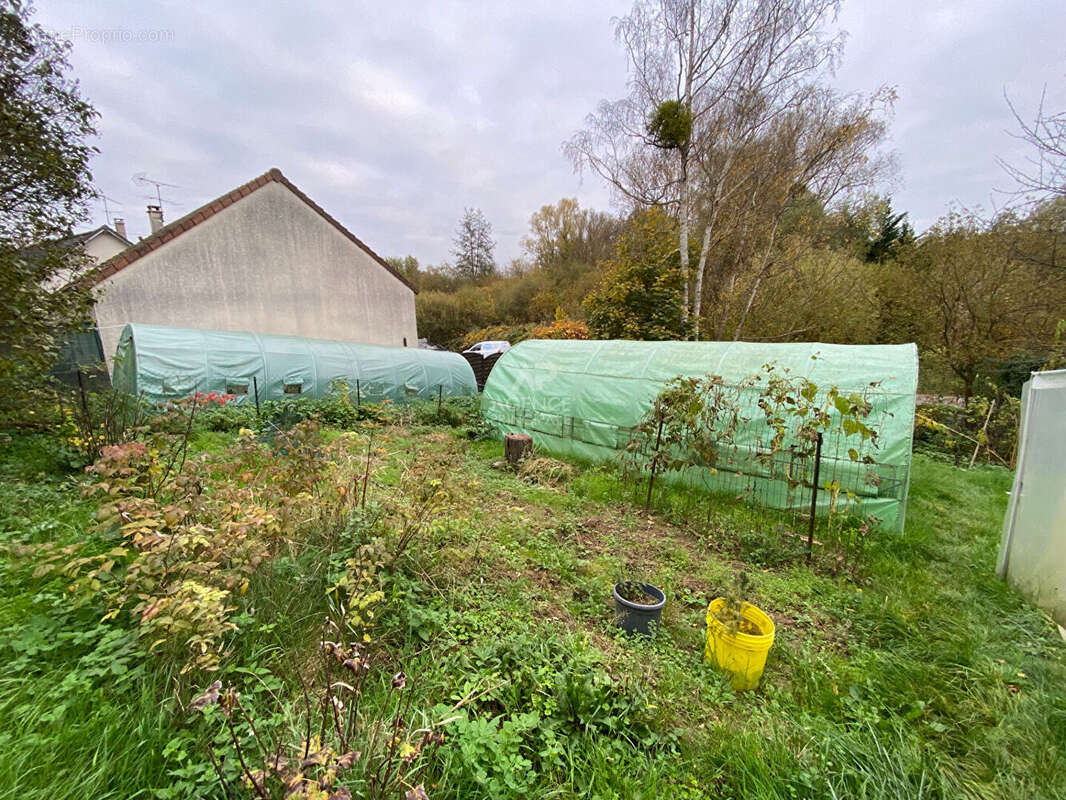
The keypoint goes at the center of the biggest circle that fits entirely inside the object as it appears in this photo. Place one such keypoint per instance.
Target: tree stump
(517, 446)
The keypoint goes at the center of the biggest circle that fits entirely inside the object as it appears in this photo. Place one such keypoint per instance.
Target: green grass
(83, 712)
(62, 733)
(920, 676)
(927, 677)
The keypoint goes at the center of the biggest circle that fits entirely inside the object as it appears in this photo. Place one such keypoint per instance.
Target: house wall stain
(267, 264)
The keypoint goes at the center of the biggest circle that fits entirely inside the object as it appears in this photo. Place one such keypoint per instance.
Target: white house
(103, 242)
(263, 258)
(99, 245)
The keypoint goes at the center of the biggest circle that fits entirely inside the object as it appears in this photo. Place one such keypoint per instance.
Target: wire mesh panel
(749, 467)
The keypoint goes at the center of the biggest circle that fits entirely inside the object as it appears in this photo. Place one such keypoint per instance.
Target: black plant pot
(639, 617)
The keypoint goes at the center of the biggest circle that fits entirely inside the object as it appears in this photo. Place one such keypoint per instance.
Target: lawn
(913, 673)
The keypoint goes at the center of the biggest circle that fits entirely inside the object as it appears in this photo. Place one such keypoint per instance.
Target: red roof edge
(174, 229)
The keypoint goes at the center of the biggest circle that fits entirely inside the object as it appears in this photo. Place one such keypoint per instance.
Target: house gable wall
(268, 263)
(103, 246)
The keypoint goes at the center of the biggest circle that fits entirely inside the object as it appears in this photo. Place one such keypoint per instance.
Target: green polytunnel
(161, 363)
(583, 399)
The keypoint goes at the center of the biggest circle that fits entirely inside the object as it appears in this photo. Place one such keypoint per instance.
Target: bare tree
(732, 68)
(816, 152)
(1045, 171)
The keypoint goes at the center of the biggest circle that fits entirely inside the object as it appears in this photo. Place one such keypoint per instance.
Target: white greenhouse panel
(1032, 553)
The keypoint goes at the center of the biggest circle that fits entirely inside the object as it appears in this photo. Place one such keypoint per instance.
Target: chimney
(155, 217)
(120, 227)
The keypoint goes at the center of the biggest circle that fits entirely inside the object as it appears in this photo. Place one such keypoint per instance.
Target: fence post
(654, 461)
(814, 496)
(84, 399)
(255, 390)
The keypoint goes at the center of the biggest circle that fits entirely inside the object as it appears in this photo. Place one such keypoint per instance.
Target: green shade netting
(160, 363)
(582, 399)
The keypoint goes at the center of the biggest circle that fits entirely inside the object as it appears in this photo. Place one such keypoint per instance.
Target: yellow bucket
(742, 654)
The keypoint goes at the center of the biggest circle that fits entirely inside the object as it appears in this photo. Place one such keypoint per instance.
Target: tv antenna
(107, 209)
(142, 179)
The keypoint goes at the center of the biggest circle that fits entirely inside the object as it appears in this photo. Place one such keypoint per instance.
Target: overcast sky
(394, 116)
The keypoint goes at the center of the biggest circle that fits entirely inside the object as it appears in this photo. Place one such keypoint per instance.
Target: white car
(486, 349)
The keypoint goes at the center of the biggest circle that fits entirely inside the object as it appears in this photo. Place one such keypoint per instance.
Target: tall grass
(83, 711)
(919, 675)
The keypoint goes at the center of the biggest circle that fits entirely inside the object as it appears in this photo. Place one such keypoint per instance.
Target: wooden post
(366, 472)
(358, 395)
(440, 398)
(255, 389)
(814, 496)
(517, 446)
(977, 447)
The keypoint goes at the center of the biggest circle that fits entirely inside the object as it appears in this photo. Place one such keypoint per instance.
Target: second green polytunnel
(583, 398)
(160, 363)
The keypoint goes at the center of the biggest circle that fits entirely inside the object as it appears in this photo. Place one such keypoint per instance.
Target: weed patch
(272, 565)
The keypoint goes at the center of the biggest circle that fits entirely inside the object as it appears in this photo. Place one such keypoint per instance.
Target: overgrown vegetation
(380, 611)
(46, 132)
(985, 429)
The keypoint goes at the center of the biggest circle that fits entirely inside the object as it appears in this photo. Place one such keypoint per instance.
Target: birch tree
(737, 71)
(819, 150)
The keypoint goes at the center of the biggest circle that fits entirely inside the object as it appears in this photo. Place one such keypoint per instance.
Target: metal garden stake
(814, 496)
(654, 461)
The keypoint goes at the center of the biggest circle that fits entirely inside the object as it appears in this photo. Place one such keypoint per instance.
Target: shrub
(562, 329)
(191, 533)
(443, 317)
(229, 418)
(89, 422)
(642, 293)
(497, 333)
(985, 429)
(456, 412)
(338, 409)
(356, 735)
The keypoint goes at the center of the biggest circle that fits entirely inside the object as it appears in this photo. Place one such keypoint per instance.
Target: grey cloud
(396, 116)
